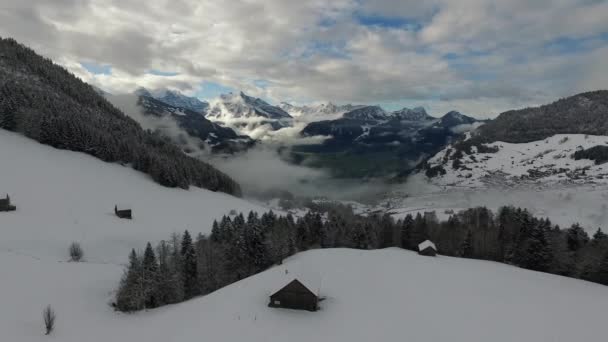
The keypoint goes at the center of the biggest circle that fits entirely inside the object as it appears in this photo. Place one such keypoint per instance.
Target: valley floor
(563, 204)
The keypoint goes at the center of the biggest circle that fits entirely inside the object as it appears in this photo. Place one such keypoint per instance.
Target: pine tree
(150, 274)
(189, 267)
(576, 237)
(406, 232)
(256, 250)
(215, 232)
(388, 233)
(539, 254)
(130, 295)
(466, 250)
(302, 235)
(8, 119)
(169, 286)
(599, 236)
(419, 231)
(359, 237)
(602, 272)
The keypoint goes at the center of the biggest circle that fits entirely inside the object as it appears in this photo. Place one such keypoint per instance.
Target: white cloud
(318, 50)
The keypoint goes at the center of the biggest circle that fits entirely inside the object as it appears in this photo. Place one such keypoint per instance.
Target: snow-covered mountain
(234, 106)
(330, 111)
(175, 99)
(247, 115)
(414, 114)
(386, 143)
(190, 128)
(367, 113)
(323, 111)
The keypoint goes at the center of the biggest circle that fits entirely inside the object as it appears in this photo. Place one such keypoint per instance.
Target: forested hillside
(45, 102)
(585, 113)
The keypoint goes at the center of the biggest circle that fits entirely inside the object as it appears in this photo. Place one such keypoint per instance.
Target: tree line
(238, 247)
(46, 103)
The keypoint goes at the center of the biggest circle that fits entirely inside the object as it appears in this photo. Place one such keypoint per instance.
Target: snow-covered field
(383, 295)
(63, 196)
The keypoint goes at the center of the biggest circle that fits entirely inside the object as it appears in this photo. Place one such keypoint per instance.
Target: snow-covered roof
(311, 279)
(424, 245)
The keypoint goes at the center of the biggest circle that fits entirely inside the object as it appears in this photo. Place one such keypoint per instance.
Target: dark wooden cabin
(123, 214)
(5, 204)
(427, 248)
(295, 296)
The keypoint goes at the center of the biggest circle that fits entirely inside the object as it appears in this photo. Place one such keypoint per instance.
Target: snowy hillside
(544, 162)
(63, 196)
(380, 295)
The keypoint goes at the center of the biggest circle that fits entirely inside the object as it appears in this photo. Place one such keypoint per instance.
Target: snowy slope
(546, 162)
(64, 196)
(384, 295)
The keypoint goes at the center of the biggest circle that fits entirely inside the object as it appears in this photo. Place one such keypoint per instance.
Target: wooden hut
(123, 213)
(295, 295)
(427, 248)
(5, 204)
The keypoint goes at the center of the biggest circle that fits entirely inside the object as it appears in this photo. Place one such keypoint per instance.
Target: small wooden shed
(427, 248)
(123, 213)
(295, 295)
(5, 204)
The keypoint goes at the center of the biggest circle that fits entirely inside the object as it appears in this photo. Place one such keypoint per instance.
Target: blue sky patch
(210, 90)
(261, 83)
(569, 45)
(97, 69)
(388, 22)
(162, 73)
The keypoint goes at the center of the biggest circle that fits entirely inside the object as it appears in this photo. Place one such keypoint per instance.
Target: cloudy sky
(477, 56)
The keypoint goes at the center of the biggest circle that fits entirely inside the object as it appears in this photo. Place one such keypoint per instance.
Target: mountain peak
(367, 113)
(240, 106)
(414, 114)
(454, 118)
(174, 98)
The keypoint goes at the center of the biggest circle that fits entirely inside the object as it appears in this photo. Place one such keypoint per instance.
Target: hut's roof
(426, 244)
(295, 286)
(310, 279)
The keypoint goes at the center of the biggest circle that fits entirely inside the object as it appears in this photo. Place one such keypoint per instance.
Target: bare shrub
(76, 252)
(48, 314)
